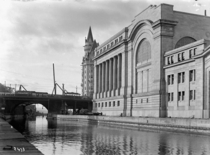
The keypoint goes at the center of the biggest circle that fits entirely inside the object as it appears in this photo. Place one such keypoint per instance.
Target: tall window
(181, 95)
(170, 97)
(143, 51)
(171, 79)
(118, 103)
(192, 75)
(181, 77)
(192, 94)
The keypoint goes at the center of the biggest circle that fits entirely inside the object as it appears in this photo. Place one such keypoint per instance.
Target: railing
(41, 95)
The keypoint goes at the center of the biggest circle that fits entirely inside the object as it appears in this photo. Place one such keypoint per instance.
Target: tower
(88, 66)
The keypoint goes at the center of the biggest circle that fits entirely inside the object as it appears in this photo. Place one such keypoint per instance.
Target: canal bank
(200, 126)
(13, 142)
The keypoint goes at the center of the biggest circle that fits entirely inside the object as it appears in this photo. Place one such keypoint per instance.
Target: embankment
(201, 126)
(14, 143)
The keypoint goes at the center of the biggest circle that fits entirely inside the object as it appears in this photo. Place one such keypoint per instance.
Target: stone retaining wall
(178, 124)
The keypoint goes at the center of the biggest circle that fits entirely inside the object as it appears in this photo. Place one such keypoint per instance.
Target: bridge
(55, 104)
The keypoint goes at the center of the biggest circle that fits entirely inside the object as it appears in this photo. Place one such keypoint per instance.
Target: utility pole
(63, 90)
(54, 79)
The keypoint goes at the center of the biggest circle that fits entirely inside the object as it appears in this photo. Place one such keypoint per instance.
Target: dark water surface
(79, 138)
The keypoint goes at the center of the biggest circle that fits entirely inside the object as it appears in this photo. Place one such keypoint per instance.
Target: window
(112, 44)
(194, 94)
(191, 94)
(141, 100)
(102, 104)
(183, 94)
(121, 38)
(172, 59)
(171, 79)
(106, 104)
(179, 57)
(181, 77)
(192, 75)
(190, 53)
(183, 56)
(109, 104)
(116, 41)
(96, 105)
(194, 51)
(143, 51)
(179, 96)
(169, 60)
(170, 97)
(113, 103)
(147, 100)
(118, 103)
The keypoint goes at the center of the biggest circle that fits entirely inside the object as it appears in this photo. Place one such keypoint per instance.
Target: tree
(5, 89)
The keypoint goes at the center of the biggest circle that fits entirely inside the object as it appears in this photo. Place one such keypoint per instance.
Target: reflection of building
(87, 65)
(137, 71)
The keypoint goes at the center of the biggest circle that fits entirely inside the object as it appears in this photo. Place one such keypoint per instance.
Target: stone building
(88, 66)
(134, 70)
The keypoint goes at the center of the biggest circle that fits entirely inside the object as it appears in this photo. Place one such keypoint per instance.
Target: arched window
(143, 51)
(184, 41)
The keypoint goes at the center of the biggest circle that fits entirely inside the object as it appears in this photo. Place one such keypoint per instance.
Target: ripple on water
(64, 138)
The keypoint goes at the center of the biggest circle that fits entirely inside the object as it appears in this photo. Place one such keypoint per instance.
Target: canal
(80, 138)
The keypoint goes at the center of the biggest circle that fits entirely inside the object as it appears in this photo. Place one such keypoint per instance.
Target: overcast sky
(34, 34)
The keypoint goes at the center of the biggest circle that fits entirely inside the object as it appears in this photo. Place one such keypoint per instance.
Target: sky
(34, 34)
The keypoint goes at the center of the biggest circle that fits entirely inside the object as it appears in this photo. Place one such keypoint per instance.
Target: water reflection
(63, 137)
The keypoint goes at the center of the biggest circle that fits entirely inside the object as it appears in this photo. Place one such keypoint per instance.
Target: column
(102, 79)
(95, 80)
(118, 74)
(98, 81)
(122, 75)
(107, 78)
(114, 76)
(110, 77)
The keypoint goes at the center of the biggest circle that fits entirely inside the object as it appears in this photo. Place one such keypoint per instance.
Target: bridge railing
(3, 94)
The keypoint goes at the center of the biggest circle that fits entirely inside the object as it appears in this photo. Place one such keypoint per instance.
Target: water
(79, 138)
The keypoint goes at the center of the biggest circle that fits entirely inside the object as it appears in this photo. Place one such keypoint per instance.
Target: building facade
(88, 65)
(131, 69)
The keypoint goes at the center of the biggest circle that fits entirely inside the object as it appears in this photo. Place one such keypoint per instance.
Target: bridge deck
(44, 97)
